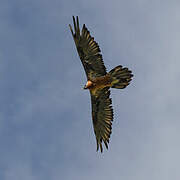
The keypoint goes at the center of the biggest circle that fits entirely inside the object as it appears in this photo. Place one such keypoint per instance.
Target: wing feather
(88, 50)
(102, 115)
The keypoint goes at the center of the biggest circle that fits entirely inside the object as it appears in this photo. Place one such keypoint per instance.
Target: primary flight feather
(99, 82)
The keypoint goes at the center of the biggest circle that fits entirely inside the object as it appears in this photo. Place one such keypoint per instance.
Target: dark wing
(102, 115)
(88, 50)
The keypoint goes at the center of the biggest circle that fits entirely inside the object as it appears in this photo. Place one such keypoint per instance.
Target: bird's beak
(85, 87)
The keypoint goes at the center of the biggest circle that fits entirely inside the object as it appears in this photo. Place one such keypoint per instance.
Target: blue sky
(45, 117)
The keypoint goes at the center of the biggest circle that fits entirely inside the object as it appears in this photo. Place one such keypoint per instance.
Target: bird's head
(88, 85)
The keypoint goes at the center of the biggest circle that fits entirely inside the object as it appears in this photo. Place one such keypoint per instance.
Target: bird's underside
(99, 82)
(96, 84)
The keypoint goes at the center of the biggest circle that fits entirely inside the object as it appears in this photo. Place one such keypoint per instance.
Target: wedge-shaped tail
(120, 77)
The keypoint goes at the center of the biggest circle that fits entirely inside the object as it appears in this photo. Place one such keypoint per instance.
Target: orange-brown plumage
(99, 82)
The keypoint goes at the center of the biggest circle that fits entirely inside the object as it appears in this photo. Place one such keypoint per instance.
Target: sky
(46, 129)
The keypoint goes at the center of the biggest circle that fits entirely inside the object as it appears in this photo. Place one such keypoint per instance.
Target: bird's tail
(120, 77)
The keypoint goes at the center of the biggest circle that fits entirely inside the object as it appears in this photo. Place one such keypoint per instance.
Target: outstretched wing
(88, 50)
(102, 115)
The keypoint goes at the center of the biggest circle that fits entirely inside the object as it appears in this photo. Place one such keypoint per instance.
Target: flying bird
(99, 82)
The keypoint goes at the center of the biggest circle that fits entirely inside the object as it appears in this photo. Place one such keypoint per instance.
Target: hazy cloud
(45, 117)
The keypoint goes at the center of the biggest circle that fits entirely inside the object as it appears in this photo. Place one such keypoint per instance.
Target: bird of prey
(99, 82)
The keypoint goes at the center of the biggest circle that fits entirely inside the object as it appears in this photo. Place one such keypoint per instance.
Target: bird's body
(99, 82)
